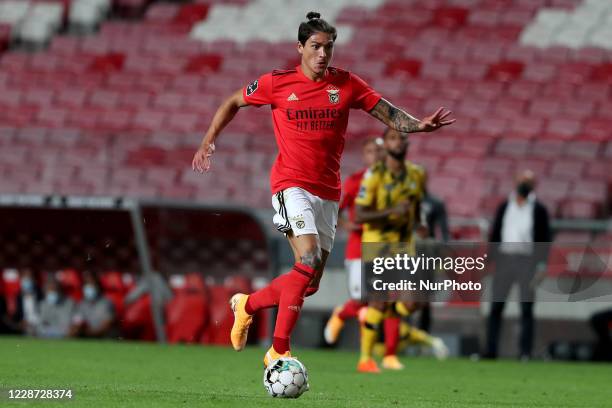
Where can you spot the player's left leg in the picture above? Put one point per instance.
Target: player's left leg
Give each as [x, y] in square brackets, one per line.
[311, 251]
[295, 217]
[304, 273]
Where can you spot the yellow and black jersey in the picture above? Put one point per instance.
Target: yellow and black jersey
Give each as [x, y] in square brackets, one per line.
[381, 190]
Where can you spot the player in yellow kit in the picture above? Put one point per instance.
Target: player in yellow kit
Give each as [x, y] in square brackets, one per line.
[388, 206]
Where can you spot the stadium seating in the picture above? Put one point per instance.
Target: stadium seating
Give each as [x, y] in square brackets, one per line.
[529, 82]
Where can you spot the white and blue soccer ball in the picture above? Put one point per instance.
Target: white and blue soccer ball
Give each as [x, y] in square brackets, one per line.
[286, 378]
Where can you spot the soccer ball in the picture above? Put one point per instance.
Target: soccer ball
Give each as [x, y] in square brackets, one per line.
[286, 378]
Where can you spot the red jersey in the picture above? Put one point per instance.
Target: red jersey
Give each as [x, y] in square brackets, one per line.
[310, 120]
[349, 193]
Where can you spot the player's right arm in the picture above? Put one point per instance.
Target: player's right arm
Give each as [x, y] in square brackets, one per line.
[370, 215]
[365, 208]
[224, 115]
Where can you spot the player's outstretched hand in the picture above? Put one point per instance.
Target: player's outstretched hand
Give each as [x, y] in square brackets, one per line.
[201, 159]
[436, 121]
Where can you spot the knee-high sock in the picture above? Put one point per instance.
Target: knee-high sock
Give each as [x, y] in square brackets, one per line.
[290, 305]
[392, 335]
[311, 290]
[269, 296]
[350, 309]
[418, 336]
[369, 332]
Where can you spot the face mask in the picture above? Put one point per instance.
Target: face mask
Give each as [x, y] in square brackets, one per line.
[52, 298]
[27, 285]
[523, 189]
[90, 292]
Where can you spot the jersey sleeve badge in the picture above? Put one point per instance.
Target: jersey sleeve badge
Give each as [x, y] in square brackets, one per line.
[252, 87]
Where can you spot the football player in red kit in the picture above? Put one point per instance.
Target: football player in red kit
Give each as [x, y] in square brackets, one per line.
[310, 109]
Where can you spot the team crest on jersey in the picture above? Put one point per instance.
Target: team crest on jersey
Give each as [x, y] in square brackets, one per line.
[334, 95]
[252, 87]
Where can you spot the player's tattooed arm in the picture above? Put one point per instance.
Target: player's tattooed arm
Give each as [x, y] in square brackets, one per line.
[402, 121]
[394, 117]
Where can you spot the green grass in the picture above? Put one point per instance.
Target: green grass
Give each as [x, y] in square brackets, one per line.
[122, 374]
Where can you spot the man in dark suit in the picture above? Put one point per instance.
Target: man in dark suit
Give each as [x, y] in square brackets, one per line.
[520, 221]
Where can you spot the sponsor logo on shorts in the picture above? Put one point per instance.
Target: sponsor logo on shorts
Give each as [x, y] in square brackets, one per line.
[252, 87]
[294, 308]
[300, 224]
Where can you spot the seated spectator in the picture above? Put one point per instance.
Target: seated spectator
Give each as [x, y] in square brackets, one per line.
[56, 312]
[95, 314]
[28, 300]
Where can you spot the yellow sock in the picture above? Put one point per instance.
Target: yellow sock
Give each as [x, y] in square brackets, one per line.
[418, 336]
[369, 332]
[401, 309]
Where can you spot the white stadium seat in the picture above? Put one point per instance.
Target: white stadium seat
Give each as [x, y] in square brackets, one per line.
[13, 11]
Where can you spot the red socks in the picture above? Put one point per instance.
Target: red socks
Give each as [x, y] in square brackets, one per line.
[391, 327]
[265, 297]
[287, 292]
[350, 309]
[290, 304]
[311, 290]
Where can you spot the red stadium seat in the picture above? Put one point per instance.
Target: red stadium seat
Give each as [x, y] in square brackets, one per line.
[496, 166]
[567, 170]
[582, 149]
[112, 281]
[538, 166]
[547, 148]
[461, 165]
[450, 17]
[553, 190]
[505, 71]
[564, 128]
[186, 317]
[603, 73]
[238, 284]
[191, 13]
[221, 318]
[408, 66]
[579, 209]
[70, 281]
[204, 63]
[512, 147]
[596, 191]
[599, 170]
[12, 287]
[107, 63]
[130, 8]
[137, 320]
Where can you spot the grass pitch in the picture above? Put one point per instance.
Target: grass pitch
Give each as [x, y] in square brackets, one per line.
[123, 374]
